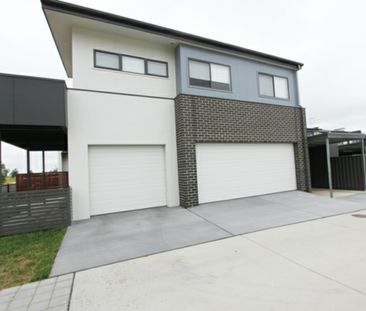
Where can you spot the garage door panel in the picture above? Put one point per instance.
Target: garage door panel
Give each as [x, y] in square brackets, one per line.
[126, 178]
[228, 171]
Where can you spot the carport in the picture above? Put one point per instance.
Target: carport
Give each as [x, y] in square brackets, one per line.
[33, 138]
[33, 117]
[328, 169]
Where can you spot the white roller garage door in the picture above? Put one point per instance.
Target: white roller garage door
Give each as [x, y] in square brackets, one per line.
[126, 178]
[229, 171]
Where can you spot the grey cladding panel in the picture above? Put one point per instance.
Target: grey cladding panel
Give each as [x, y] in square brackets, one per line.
[39, 102]
[6, 100]
[244, 77]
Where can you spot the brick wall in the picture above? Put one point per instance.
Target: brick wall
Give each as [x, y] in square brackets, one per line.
[213, 120]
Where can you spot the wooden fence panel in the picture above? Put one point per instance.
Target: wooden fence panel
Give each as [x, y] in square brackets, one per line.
[39, 181]
[28, 211]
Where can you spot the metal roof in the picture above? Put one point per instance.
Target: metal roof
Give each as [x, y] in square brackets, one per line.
[85, 12]
[318, 136]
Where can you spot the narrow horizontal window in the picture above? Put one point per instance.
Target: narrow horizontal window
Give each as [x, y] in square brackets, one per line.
[209, 75]
[157, 68]
[128, 63]
[133, 64]
[273, 86]
[107, 60]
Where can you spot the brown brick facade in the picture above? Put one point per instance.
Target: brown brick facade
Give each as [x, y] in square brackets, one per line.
[214, 120]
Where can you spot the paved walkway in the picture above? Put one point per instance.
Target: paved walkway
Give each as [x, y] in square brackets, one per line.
[51, 294]
[116, 237]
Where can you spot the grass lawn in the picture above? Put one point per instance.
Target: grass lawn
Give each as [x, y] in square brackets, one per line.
[28, 257]
[9, 180]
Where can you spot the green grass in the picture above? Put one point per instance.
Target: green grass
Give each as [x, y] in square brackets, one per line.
[9, 180]
[28, 257]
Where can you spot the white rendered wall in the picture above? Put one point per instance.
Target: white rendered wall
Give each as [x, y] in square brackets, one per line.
[85, 76]
[112, 119]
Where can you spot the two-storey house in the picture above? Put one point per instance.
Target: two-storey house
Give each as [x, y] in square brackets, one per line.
[158, 117]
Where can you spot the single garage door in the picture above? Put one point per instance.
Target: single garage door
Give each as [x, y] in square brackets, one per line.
[126, 178]
[229, 171]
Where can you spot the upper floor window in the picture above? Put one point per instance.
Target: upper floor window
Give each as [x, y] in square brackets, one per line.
[107, 60]
[273, 86]
[157, 68]
[209, 75]
[133, 64]
[129, 63]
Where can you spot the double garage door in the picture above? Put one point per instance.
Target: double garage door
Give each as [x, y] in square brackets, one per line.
[133, 177]
[229, 171]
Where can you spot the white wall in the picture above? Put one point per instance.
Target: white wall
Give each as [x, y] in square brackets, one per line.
[64, 162]
[110, 119]
[85, 76]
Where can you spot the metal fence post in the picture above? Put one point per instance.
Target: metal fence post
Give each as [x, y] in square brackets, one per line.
[329, 166]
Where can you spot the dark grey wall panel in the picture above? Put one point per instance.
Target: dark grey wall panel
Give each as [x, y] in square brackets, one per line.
[32, 101]
[6, 100]
[39, 102]
[318, 167]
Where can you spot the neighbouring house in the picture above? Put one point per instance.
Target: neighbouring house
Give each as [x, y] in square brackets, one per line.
[337, 159]
[33, 117]
[158, 117]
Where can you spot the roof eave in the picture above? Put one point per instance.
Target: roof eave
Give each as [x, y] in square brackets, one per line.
[124, 21]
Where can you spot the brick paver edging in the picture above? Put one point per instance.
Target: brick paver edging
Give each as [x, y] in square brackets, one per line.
[50, 294]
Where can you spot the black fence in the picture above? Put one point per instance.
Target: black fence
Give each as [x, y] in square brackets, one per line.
[347, 171]
[28, 211]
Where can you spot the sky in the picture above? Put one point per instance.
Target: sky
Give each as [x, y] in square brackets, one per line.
[327, 36]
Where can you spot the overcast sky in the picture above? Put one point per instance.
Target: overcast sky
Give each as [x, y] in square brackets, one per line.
[328, 36]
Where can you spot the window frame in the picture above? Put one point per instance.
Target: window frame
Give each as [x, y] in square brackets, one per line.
[273, 86]
[210, 73]
[156, 61]
[130, 56]
[103, 67]
[120, 56]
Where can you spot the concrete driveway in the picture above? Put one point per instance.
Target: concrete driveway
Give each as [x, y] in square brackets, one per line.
[117, 237]
[316, 265]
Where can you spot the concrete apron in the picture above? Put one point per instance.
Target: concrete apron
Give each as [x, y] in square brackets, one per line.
[117, 237]
[316, 265]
